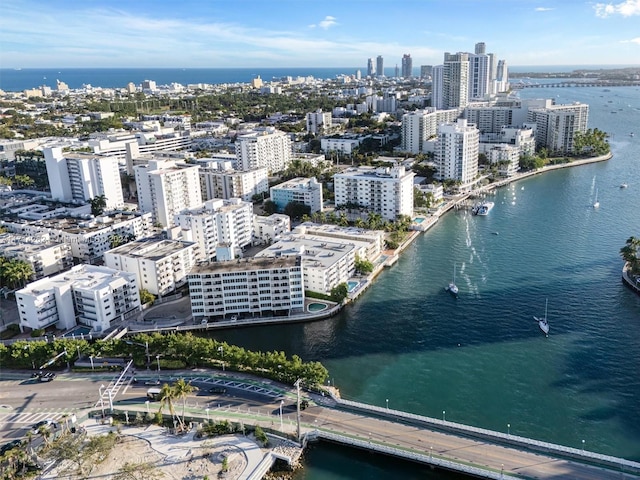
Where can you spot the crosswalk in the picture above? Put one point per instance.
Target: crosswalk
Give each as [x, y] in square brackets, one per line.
[19, 419]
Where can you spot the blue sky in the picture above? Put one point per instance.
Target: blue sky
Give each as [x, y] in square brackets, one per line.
[313, 33]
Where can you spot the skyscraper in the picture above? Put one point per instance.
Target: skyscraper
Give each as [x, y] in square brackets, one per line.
[371, 71]
[455, 80]
[407, 66]
[425, 71]
[380, 66]
[456, 151]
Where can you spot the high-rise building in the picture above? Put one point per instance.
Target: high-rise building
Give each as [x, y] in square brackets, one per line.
[425, 71]
[318, 122]
[407, 66]
[455, 80]
[267, 147]
[307, 191]
[79, 177]
[480, 85]
[383, 190]
[371, 69]
[502, 76]
[421, 125]
[456, 152]
[166, 188]
[481, 48]
[556, 125]
[437, 87]
[380, 66]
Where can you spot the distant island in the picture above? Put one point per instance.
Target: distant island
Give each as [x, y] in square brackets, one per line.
[629, 73]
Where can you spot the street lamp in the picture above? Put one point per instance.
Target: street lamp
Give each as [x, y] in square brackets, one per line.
[221, 350]
[207, 410]
[387, 404]
[91, 358]
[443, 414]
[582, 446]
[281, 425]
[508, 429]
[147, 404]
[101, 400]
[158, 359]
[78, 347]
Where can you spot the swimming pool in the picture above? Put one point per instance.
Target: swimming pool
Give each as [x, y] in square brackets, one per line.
[418, 220]
[78, 331]
[351, 286]
[316, 307]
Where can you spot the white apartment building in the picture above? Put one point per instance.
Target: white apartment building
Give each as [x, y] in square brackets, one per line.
[318, 122]
[387, 191]
[89, 295]
[45, 256]
[88, 237]
[160, 266]
[556, 125]
[451, 82]
[488, 119]
[456, 152]
[268, 148]
[134, 144]
[228, 222]
[77, 177]
[166, 188]
[307, 191]
[247, 287]
[219, 180]
[421, 125]
[523, 138]
[326, 263]
[176, 122]
[344, 146]
[507, 155]
[270, 229]
[369, 243]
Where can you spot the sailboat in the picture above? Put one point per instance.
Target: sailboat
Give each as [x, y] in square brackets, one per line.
[542, 322]
[596, 204]
[453, 289]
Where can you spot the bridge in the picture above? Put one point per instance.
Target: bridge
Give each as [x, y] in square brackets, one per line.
[477, 452]
[595, 83]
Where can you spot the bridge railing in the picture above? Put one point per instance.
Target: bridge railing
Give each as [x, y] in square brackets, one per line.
[494, 436]
[409, 455]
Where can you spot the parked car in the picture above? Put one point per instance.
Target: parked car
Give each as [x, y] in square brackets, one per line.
[10, 446]
[217, 389]
[47, 377]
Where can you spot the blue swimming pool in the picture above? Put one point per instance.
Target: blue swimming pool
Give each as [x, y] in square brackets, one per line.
[351, 286]
[316, 307]
[418, 220]
[78, 331]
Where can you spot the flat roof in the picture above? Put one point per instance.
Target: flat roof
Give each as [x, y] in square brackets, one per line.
[243, 264]
[152, 249]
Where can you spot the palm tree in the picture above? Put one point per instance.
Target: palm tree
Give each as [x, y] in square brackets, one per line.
[630, 254]
[167, 396]
[181, 390]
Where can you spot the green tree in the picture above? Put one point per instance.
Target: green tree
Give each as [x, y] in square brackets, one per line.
[15, 273]
[146, 296]
[630, 254]
[269, 207]
[98, 204]
[363, 266]
[167, 396]
[296, 210]
[182, 390]
[339, 292]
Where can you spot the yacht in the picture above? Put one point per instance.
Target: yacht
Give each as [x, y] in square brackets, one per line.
[542, 322]
[596, 204]
[485, 208]
[623, 185]
[453, 289]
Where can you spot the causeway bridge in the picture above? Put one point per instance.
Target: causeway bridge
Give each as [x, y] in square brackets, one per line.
[477, 452]
[574, 83]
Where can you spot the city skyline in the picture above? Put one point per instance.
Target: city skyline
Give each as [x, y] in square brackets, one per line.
[289, 33]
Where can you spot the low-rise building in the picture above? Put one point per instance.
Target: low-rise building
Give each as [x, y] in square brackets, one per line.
[45, 256]
[160, 266]
[307, 191]
[270, 229]
[247, 287]
[369, 243]
[219, 180]
[96, 297]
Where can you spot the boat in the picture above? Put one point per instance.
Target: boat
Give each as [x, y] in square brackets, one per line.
[453, 289]
[623, 185]
[542, 322]
[485, 208]
[596, 204]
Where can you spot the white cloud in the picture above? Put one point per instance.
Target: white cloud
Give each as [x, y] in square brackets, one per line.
[627, 8]
[544, 9]
[328, 22]
[633, 40]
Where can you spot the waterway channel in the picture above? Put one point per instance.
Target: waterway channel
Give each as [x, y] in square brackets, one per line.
[481, 359]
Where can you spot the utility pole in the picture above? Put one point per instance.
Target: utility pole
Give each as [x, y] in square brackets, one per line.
[297, 385]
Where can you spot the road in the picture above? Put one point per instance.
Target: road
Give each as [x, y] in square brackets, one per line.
[23, 402]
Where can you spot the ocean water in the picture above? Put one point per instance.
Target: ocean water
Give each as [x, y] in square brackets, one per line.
[15, 80]
[482, 358]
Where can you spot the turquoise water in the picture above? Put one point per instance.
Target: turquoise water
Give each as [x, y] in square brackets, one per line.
[316, 307]
[482, 358]
[351, 286]
[418, 220]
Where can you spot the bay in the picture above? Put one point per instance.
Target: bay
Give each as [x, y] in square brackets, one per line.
[481, 358]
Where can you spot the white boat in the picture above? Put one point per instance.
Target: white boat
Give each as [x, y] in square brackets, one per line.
[453, 289]
[542, 322]
[623, 185]
[485, 208]
[596, 204]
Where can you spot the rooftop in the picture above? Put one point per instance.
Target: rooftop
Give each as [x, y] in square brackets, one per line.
[243, 264]
[152, 249]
